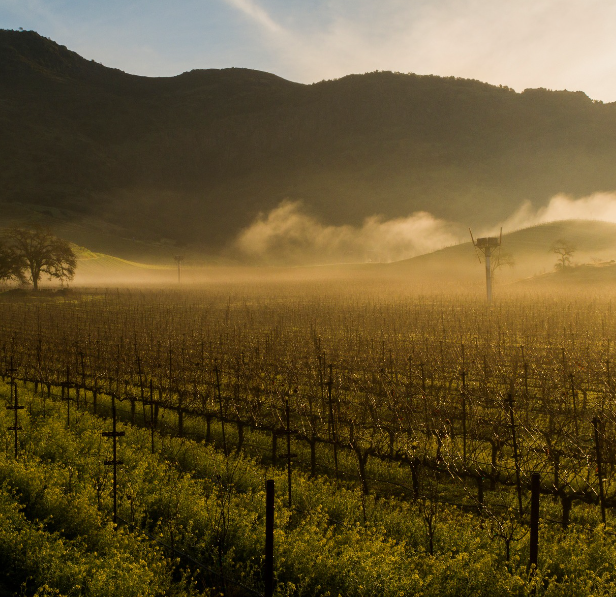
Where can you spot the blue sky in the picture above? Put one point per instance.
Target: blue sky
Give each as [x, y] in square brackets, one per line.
[558, 44]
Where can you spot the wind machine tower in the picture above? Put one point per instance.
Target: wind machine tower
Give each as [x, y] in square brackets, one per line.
[485, 246]
[179, 259]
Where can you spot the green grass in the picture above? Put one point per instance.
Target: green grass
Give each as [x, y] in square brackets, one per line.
[194, 511]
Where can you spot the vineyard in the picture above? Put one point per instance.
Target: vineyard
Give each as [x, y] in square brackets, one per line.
[402, 433]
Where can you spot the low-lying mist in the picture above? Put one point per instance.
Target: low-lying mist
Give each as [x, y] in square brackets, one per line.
[598, 206]
[288, 235]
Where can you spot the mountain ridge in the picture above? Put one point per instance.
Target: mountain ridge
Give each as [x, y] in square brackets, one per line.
[196, 157]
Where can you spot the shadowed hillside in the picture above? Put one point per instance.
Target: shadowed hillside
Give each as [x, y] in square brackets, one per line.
[195, 158]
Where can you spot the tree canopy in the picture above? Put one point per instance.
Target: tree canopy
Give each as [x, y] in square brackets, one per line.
[26, 254]
[11, 264]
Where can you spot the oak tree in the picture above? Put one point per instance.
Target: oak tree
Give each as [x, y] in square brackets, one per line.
[11, 264]
[39, 252]
[564, 249]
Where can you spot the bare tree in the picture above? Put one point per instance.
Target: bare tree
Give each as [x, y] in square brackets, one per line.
[564, 249]
[39, 252]
[501, 259]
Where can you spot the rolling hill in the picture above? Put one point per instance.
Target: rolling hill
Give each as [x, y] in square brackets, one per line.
[455, 267]
[530, 249]
[141, 167]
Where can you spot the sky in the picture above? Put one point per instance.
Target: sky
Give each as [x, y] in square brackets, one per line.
[556, 44]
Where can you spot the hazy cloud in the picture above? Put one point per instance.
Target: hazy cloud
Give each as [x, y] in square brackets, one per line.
[287, 235]
[252, 10]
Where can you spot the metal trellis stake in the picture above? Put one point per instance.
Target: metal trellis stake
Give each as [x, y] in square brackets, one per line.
[289, 456]
[222, 414]
[67, 385]
[152, 427]
[15, 407]
[114, 462]
[463, 418]
[332, 422]
[596, 422]
[269, 538]
[515, 453]
[534, 521]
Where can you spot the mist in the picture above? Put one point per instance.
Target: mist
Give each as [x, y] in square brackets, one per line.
[598, 206]
[287, 235]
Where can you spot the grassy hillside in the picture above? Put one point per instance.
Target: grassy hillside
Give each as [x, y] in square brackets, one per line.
[457, 266]
[530, 249]
[190, 160]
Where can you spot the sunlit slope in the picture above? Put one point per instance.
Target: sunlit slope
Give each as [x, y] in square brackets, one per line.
[584, 277]
[95, 234]
[100, 269]
[530, 249]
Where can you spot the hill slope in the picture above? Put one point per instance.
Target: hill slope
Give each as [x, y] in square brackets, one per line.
[595, 242]
[452, 268]
[194, 158]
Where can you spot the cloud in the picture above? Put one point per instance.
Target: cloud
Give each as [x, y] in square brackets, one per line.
[255, 12]
[287, 235]
[598, 206]
[529, 43]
